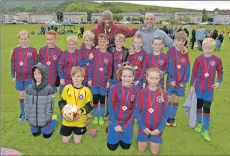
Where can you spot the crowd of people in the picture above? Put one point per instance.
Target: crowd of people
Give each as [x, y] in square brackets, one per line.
[128, 81]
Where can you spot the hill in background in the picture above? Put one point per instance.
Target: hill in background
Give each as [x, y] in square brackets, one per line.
[80, 6]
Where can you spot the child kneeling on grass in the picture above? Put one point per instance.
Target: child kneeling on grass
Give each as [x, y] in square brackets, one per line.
[152, 112]
[78, 95]
[39, 103]
[121, 106]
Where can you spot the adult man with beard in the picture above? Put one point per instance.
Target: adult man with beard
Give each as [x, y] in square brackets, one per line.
[108, 26]
[148, 31]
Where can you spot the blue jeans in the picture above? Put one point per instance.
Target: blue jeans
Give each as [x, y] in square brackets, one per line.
[218, 44]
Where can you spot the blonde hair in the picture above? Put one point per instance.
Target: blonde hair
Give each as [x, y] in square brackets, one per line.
[156, 70]
[208, 42]
[180, 35]
[89, 34]
[138, 36]
[51, 32]
[22, 33]
[72, 38]
[124, 66]
[120, 36]
[78, 69]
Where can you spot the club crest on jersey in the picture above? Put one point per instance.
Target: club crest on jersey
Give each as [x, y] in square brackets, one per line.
[55, 57]
[161, 62]
[106, 61]
[183, 60]
[132, 98]
[140, 58]
[80, 97]
[159, 100]
[212, 63]
[29, 54]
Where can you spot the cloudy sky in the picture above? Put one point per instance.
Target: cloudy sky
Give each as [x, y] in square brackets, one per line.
[208, 5]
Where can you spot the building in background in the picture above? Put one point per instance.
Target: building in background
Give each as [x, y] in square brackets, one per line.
[95, 17]
[42, 17]
[222, 17]
[75, 16]
[194, 16]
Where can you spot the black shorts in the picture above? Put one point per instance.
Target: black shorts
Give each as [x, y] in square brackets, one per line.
[67, 131]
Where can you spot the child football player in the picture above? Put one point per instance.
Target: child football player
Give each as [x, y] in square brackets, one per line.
[23, 59]
[80, 96]
[203, 83]
[99, 78]
[121, 106]
[152, 112]
[178, 74]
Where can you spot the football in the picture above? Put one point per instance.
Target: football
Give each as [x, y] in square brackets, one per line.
[70, 112]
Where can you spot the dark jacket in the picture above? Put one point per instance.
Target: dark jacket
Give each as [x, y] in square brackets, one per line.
[111, 49]
[39, 99]
[193, 37]
[215, 34]
[221, 38]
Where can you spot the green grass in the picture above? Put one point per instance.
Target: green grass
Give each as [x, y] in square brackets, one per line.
[177, 141]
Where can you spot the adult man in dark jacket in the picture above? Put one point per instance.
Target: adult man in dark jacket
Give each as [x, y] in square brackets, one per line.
[215, 34]
[193, 38]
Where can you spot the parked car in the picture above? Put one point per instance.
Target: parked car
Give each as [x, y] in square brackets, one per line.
[76, 22]
[165, 23]
[17, 22]
[136, 22]
[125, 22]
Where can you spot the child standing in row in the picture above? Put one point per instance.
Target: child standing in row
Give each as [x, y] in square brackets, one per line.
[99, 78]
[152, 112]
[178, 74]
[121, 105]
[137, 60]
[49, 56]
[23, 58]
[39, 103]
[157, 59]
[203, 83]
[86, 51]
[69, 59]
[80, 96]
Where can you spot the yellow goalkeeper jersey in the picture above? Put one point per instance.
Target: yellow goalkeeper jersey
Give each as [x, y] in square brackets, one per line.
[80, 97]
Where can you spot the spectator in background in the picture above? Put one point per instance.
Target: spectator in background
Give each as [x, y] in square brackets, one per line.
[215, 34]
[171, 33]
[201, 33]
[42, 30]
[193, 37]
[219, 41]
[165, 29]
[82, 29]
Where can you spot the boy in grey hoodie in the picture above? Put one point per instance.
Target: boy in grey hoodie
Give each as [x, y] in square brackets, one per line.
[39, 103]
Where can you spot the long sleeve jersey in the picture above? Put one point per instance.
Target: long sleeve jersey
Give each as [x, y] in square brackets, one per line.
[100, 70]
[85, 58]
[22, 61]
[178, 67]
[49, 57]
[121, 105]
[152, 112]
[156, 61]
[204, 72]
[66, 62]
[137, 61]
